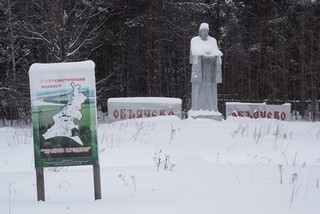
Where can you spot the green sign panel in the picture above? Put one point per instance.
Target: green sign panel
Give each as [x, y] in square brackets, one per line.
[64, 115]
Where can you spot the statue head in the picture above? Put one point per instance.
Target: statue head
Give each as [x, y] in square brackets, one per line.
[204, 31]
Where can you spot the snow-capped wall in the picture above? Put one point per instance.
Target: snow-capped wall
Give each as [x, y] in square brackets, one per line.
[259, 110]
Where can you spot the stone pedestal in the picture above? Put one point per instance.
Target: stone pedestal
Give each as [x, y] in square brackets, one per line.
[213, 115]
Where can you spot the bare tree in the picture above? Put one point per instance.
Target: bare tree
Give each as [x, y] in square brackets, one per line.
[66, 28]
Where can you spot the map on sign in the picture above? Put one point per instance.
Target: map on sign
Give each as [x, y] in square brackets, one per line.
[64, 119]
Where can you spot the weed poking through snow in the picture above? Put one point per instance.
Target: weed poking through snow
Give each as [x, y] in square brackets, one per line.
[172, 134]
[163, 162]
[242, 129]
[127, 183]
[294, 188]
[11, 190]
[280, 172]
[113, 137]
[63, 184]
[122, 178]
[234, 172]
[144, 132]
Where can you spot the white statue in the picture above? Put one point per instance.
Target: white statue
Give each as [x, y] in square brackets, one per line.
[205, 58]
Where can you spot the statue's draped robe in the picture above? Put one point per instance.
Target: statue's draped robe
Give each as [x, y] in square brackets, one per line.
[205, 58]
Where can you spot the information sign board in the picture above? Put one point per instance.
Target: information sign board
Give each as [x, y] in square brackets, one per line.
[63, 102]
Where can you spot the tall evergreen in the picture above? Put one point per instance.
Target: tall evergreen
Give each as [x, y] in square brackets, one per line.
[141, 48]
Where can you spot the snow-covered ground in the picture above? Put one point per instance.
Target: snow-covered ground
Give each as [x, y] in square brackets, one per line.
[172, 166]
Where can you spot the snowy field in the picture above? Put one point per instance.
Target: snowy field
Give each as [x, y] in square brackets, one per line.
[172, 166]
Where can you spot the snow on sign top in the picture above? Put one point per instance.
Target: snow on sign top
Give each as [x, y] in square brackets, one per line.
[66, 66]
[56, 76]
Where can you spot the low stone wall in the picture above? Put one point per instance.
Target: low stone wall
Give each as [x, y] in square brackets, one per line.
[142, 107]
[259, 110]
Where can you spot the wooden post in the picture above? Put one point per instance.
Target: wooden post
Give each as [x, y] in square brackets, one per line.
[40, 184]
[97, 183]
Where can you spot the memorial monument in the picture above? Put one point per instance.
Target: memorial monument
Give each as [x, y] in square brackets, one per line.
[205, 58]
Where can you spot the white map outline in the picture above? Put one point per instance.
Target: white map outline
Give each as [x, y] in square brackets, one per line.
[64, 119]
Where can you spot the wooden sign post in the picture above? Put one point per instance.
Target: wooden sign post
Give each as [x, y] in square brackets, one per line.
[40, 184]
[97, 183]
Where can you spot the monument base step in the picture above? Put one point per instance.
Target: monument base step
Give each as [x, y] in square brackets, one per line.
[213, 115]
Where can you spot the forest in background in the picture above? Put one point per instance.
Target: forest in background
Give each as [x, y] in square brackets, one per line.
[141, 48]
